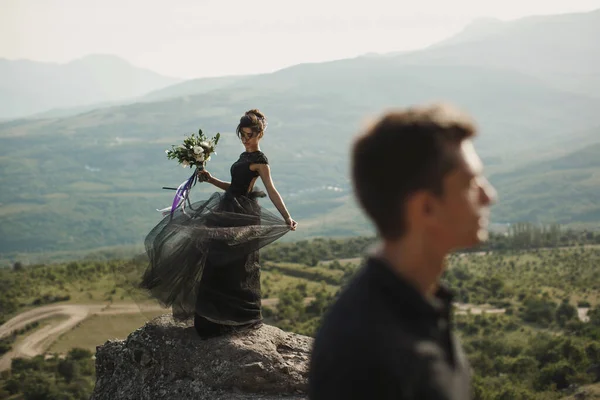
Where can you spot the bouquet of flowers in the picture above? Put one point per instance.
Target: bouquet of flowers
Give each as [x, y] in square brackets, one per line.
[196, 150]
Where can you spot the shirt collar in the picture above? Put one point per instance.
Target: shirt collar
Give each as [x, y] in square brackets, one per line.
[399, 290]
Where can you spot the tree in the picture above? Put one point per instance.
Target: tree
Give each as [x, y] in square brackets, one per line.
[322, 300]
[524, 366]
[592, 352]
[511, 392]
[565, 312]
[68, 369]
[78, 353]
[539, 311]
[290, 305]
[594, 316]
[335, 264]
[495, 285]
[37, 386]
[558, 375]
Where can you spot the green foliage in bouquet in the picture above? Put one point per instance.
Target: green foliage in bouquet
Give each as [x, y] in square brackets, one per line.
[196, 150]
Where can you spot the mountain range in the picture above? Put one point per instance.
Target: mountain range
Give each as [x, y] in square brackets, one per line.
[29, 87]
[561, 49]
[93, 179]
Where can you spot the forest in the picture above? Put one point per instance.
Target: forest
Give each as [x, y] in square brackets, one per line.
[539, 340]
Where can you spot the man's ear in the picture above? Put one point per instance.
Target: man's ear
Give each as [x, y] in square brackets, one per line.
[421, 208]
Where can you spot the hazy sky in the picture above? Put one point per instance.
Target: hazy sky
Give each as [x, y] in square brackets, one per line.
[194, 38]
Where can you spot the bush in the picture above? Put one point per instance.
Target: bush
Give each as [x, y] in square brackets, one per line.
[539, 311]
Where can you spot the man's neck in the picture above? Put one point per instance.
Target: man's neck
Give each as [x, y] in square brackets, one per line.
[412, 260]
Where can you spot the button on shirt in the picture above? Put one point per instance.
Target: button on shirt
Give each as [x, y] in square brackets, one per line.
[382, 339]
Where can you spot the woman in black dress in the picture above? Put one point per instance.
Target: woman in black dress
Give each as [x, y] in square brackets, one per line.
[204, 262]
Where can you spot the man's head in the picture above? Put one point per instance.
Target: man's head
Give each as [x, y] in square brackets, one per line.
[415, 171]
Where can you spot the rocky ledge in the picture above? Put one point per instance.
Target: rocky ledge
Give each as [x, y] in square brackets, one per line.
[165, 359]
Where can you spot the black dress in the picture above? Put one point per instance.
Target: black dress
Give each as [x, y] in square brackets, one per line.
[204, 260]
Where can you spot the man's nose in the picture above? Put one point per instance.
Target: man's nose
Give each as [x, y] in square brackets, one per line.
[489, 195]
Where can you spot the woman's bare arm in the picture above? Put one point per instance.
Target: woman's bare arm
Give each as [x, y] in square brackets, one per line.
[265, 174]
[220, 184]
[207, 177]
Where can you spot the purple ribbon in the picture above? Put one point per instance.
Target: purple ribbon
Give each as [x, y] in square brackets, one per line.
[182, 193]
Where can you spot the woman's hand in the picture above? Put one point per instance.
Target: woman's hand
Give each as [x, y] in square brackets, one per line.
[293, 224]
[204, 176]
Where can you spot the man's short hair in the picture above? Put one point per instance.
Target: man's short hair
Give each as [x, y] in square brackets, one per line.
[403, 152]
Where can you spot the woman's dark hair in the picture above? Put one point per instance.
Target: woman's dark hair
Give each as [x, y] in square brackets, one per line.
[254, 120]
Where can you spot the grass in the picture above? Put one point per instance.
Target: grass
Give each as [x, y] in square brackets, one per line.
[592, 393]
[97, 292]
[104, 252]
[305, 273]
[354, 260]
[101, 291]
[45, 322]
[97, 329]
[278, 277]
[593, 297]
[560, 273]
[275, 282]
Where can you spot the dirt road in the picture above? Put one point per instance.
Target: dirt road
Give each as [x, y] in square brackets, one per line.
[582, 312]
[38, 341]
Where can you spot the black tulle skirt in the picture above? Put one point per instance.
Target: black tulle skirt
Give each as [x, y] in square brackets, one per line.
[204, 260]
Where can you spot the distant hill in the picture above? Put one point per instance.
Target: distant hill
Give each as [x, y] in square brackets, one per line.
[186, 88]
[94, 179]
[72, 111]
[564, 189]
[28, 87]
[477, 30]
[561, 49]
[192, 87]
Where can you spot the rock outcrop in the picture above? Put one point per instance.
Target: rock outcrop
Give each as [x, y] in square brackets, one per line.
[166, 359]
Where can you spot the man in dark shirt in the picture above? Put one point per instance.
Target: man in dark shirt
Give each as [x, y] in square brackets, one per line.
[389, 335]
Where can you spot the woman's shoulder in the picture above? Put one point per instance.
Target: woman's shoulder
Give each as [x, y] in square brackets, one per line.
[258, 157]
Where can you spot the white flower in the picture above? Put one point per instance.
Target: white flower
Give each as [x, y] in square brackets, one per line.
[198, 150]
[200, 157]
[166, 151]
[185, 164]
[204, 144]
